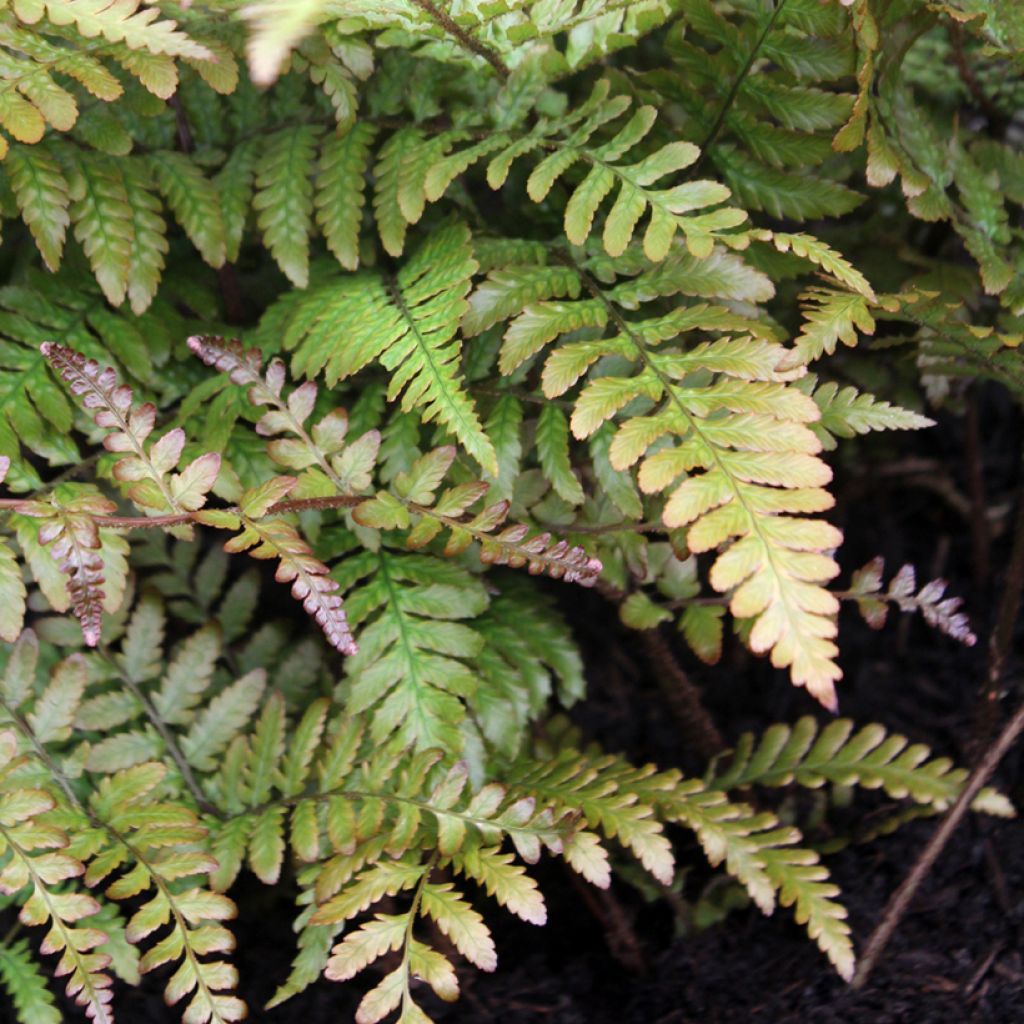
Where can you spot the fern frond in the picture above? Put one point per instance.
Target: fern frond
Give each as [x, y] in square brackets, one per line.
[157, 838]
[284, 198]
[941, 613]
[122, 21]
[802, 883]
[25, 985]
[410, 326]
[278, 539]
[615, 165]
[845, 412]
[345, 469]
[415, 498]
[70, 532]
[193, 199]
[149, 471]
[149, 242]
[744, 464]
[838, 755]
[413, 645]
[340, 187]
[43, 198]
[35, 859]
[102, 216]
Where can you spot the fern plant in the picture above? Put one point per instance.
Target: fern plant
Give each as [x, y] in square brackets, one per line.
[413, 302]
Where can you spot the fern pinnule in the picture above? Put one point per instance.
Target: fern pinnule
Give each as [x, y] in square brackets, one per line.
[846, 412]
[347, 468]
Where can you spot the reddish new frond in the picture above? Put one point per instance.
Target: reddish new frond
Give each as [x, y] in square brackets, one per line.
[560, 560]
[72, 532]
[109, 401]
[229, 356]
[311, 583]
[150, 472]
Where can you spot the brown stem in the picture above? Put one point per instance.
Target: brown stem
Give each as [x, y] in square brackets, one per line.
[620, 935]
[231, 293]
[901, 898]
[179, 519]
[967, 76]
[462, 37]
[185, 141]
[682, 697]
[655, 527]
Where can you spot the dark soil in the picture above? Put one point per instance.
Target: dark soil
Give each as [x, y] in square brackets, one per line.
[957, 957]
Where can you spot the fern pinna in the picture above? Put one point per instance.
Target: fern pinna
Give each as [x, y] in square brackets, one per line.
[581, 289]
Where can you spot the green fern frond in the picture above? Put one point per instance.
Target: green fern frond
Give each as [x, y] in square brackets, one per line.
[614, 165]
[409, 325]
[845, 412]
[340, 186]
[284, 199]
[838, 755]
[413, 645]
[25, 985]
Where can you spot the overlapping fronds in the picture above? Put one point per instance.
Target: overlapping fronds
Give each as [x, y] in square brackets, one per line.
[630, 804]
[127, 840]
[743, 464]
[147, 469]
[764, 90]
[35, 412]
[614, 166]
[415, 498]
[547, 310]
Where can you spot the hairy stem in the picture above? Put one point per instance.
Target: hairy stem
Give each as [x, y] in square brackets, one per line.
[462, 37]
[734, 89]
[179, 519]
[683, 698]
